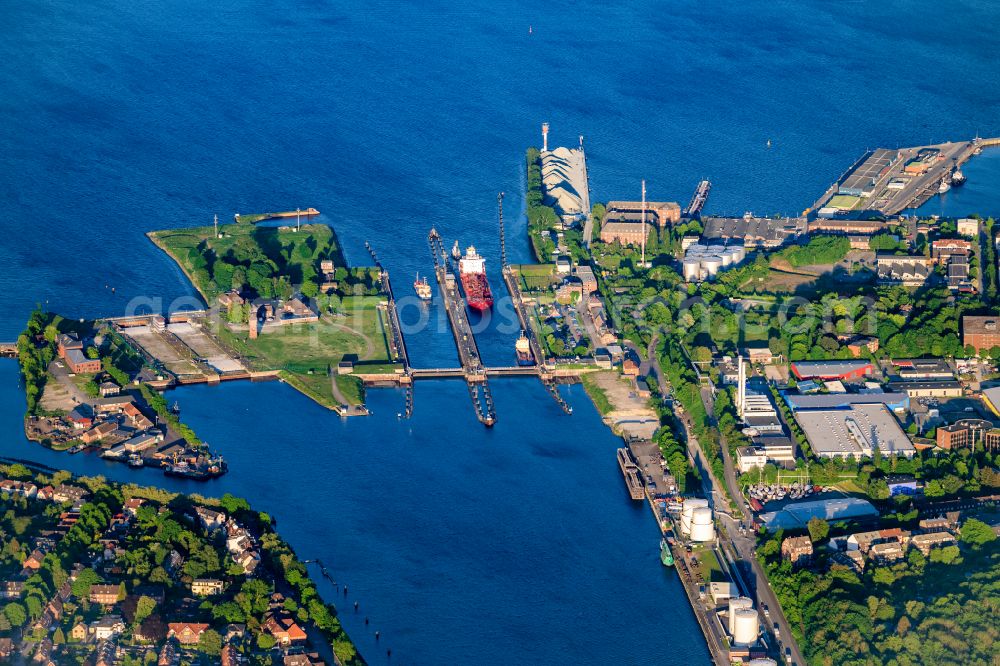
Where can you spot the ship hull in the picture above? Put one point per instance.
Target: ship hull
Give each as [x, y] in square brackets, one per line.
[477, 291]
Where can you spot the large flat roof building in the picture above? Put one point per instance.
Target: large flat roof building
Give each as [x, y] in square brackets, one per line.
[626, 233]
[894, 401]
[861, 180]
[854, 432]
[754, 231]
[832, 369]
[796, 515]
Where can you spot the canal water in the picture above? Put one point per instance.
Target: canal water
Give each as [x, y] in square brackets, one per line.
[463, 545]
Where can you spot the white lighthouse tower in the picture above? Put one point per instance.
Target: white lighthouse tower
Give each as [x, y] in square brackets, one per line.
[545, 137]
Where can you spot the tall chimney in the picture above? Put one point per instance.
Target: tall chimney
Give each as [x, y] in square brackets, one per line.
[545, 137]
[741, 389]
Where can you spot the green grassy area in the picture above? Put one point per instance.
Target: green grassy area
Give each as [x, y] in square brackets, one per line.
[596, 393]
[535, 277]
[260, 252]
[708, 565]
[306, 353]
[843, 201]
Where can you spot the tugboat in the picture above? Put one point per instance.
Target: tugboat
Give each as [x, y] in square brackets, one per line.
[957, 178]
[456, 253]
[472, 271]
[423, 288]
[135, 460]
[523, 349]
[944, 187]
[666, 556]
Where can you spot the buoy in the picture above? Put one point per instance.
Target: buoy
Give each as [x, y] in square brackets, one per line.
[366, 620]
[377, 634]
[355, 605]
[345, 590]
[388, 652]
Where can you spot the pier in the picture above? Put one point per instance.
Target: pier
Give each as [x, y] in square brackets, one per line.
[510, 279]
[468, 352]
[693, 210]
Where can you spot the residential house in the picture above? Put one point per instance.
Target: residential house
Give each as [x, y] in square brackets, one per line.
[109, 389]
[797, 550]
[107, 627]
[284, 629]
[187, 633]
[863, 541]
[79, 632]
[43, 655]
[303, 659]
[81, 417]
[926, 542]
[210, 520]
[34, 561]
[887, 552]
[64, 493]
[852, 559]
[6, 648]
[105, 595]
[206, 586]
[67, 341]
[169, 654]
[11, 589]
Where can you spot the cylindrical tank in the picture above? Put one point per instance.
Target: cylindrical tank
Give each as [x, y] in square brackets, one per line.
[762, 661]
[692, 269]
[689, 506]
[745, 627]
[737, 604]
[702, 528]
[711, 265]
[740, 253]
[727, 258]
[697, 248]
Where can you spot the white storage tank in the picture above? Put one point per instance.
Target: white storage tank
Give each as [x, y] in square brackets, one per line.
[737, 604]
[762, 661]
[689, 506]
[697, 248]
[745, 627]
[740, 253]
[702, 528]
[712, 265]
[692, 269]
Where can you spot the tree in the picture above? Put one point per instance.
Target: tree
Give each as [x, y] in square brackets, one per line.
[976, 533]
[344, 650]
[210, 642]
[144, 608]
[58, 637]
[818, 529]
[81, 586]
[15, 614]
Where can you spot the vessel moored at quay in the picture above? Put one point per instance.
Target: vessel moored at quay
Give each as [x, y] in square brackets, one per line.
[472, 272]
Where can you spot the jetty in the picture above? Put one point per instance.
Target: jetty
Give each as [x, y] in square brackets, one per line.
[465, 341]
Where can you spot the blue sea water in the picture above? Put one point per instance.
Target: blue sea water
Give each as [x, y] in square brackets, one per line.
[464, 545]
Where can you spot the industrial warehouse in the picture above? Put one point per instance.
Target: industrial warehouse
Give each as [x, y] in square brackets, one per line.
[854, 432]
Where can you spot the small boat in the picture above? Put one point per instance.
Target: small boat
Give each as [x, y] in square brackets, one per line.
[666, 556]
[135, 460]
[768, 143]
[523, 349]
[957, 178]
[456, 252]
[176, 408]
[944, 187]
[423, 288]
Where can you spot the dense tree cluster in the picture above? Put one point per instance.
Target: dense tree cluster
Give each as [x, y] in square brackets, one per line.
[922, 611]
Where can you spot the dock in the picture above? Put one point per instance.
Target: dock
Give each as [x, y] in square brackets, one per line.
[8, 350]
[888, 182]
[510, 280]
[631, 473]
[465, 341]
[694, 208]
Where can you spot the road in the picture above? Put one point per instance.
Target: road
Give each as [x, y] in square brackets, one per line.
[736, 540]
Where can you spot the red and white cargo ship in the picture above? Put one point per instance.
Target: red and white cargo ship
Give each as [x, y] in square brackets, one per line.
[472, 271]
